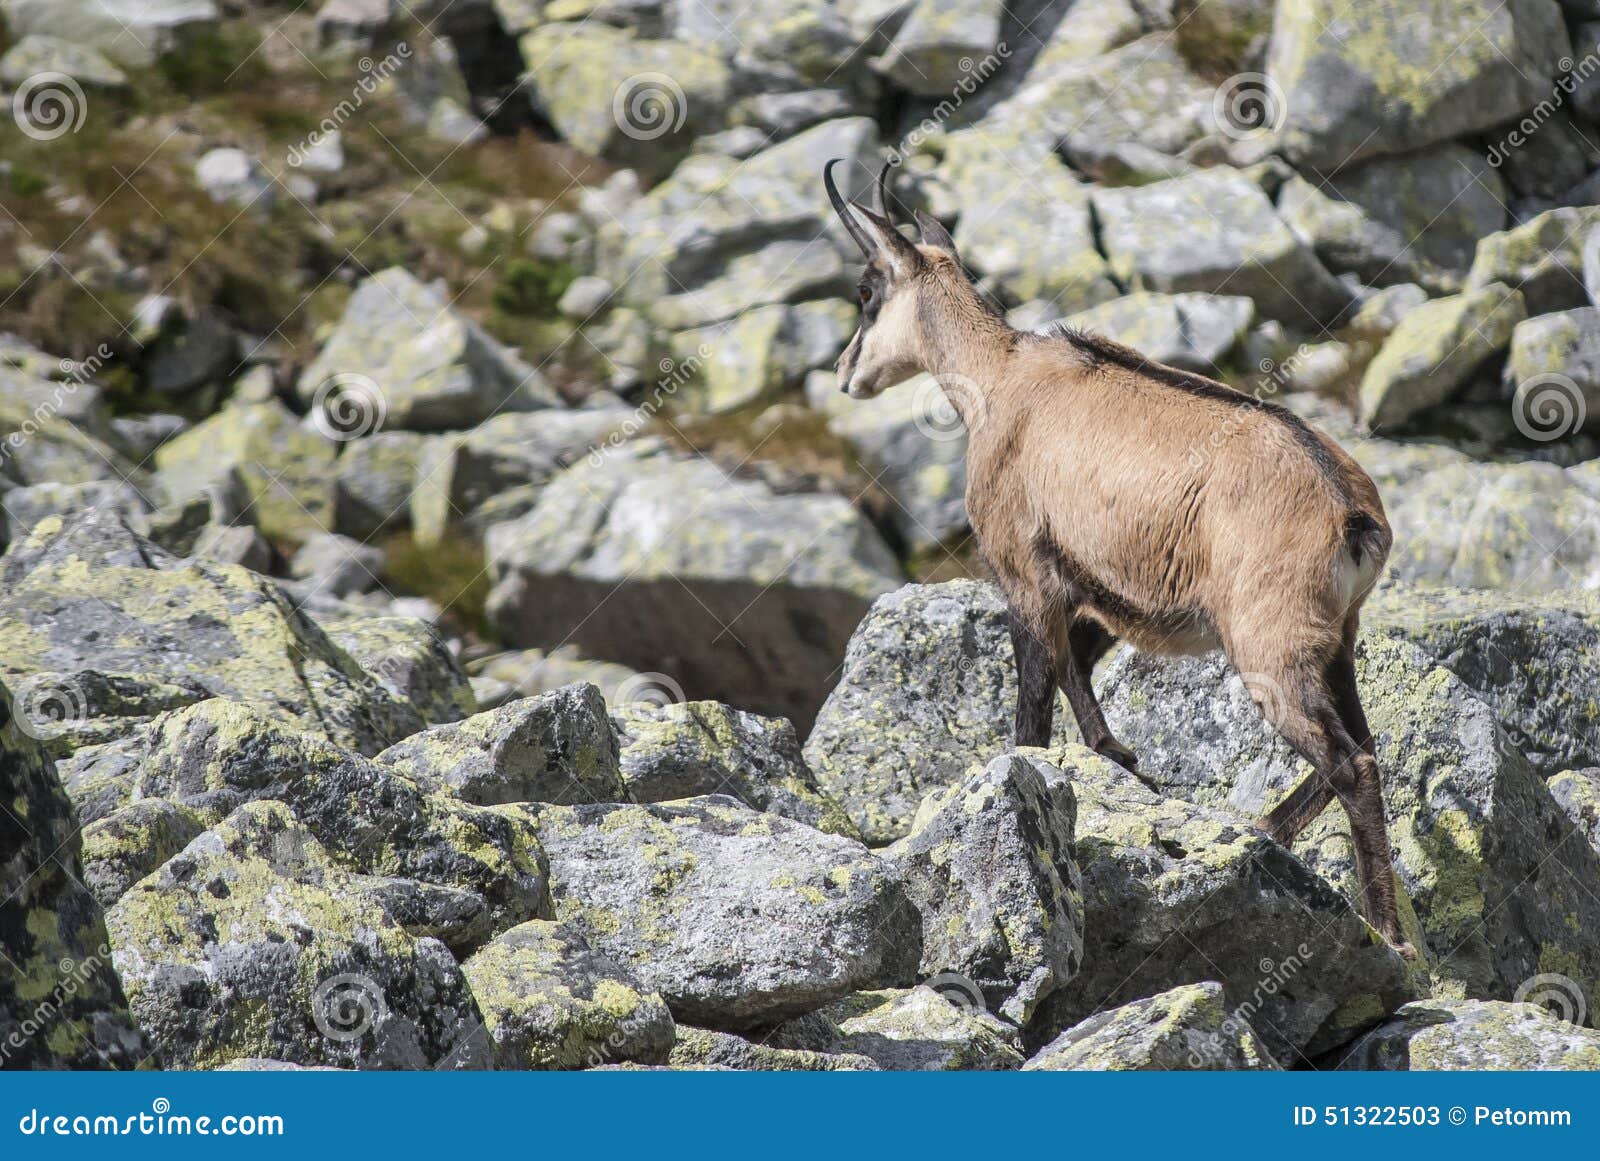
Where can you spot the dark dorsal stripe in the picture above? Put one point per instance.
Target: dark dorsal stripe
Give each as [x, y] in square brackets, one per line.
[1098, 349]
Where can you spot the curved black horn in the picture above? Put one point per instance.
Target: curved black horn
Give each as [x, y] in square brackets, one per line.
[846, 214]
[880, 193]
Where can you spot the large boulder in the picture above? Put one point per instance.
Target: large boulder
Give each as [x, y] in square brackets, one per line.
[61, 1004]
[100, 631]
[1554, 363]
[683, 750]
[403, 357]
[737, 918]
[407, 657]
[913, 442]
[1526, 527]
[1187, 1029]
[1193, 331]
[1543, 258]
[1535, 660]
[935, 51]
[1054, 255]
[922, 1029]
[1434, 351]
[720, 237]
[134, 32]
[551, 1001]
[626, 98]
[251, 942]
[703, 1047]
[1368, 79]
[640, 556]
[989, 864]
[557, 747]
[1216, 231]
[928, 687]
[1176, 893]
[285, 466]
[1499, 879]
[218, 755]
[1444, 1035]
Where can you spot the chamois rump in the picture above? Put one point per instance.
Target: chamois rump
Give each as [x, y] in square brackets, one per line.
[1116, 497]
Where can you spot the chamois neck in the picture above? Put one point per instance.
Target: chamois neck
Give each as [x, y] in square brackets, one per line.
[960, 334]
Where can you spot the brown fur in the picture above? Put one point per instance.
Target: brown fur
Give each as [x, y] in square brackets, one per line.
[1117, 497]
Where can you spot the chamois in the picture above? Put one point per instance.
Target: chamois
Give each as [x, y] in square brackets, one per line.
[1116, 497]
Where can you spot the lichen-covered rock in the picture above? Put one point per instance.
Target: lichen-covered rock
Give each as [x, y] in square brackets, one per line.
[402, 357]
[101, 631]
[374, 481]
[703, 1047]
[134, 32]
[530, 672]
[928, 688]
[989, 864]
[129, 843]
[936, 49]
[1578, 793]
[552, 1002]
[286, 467]
[1440, 201]
[1349, 239]
[1176, 893]
[1215, 231]
[217, 755]
[35, 54]
[1557, 356]
[337, 566]
[1142, 91]
[921, 1029]
[774, 582]
[629, 99]
[1055, 258]
[409, 659]
[760, 353]
[720, 237]
[557, 747]
[737, 918]
[1525, 527]
[703, 747]
[1192, 331]
[1187, 1029]
[1535, 660]
[22, 508]
[250, 942]
[1435, 349]
[1500, 881]
[462, 481]
[61, 1004]
[915, 446]
[1543, 258]
[1390, 78]
[1443, 1035]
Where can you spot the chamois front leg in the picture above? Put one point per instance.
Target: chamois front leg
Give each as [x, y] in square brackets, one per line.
[1076, 651]
[1036, 686]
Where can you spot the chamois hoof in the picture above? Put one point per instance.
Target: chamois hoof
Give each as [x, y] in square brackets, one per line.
[1118, 753]
[1406, 949]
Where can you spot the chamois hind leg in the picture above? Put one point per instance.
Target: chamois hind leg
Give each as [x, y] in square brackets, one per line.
[1303, 702]
[1074, 669]
[1036, 685]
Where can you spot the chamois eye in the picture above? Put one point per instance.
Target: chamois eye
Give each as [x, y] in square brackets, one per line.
[865, 294]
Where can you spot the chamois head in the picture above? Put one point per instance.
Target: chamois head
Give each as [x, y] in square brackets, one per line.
[890, 345]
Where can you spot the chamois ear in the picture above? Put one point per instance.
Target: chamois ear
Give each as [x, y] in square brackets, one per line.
[933, 233]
